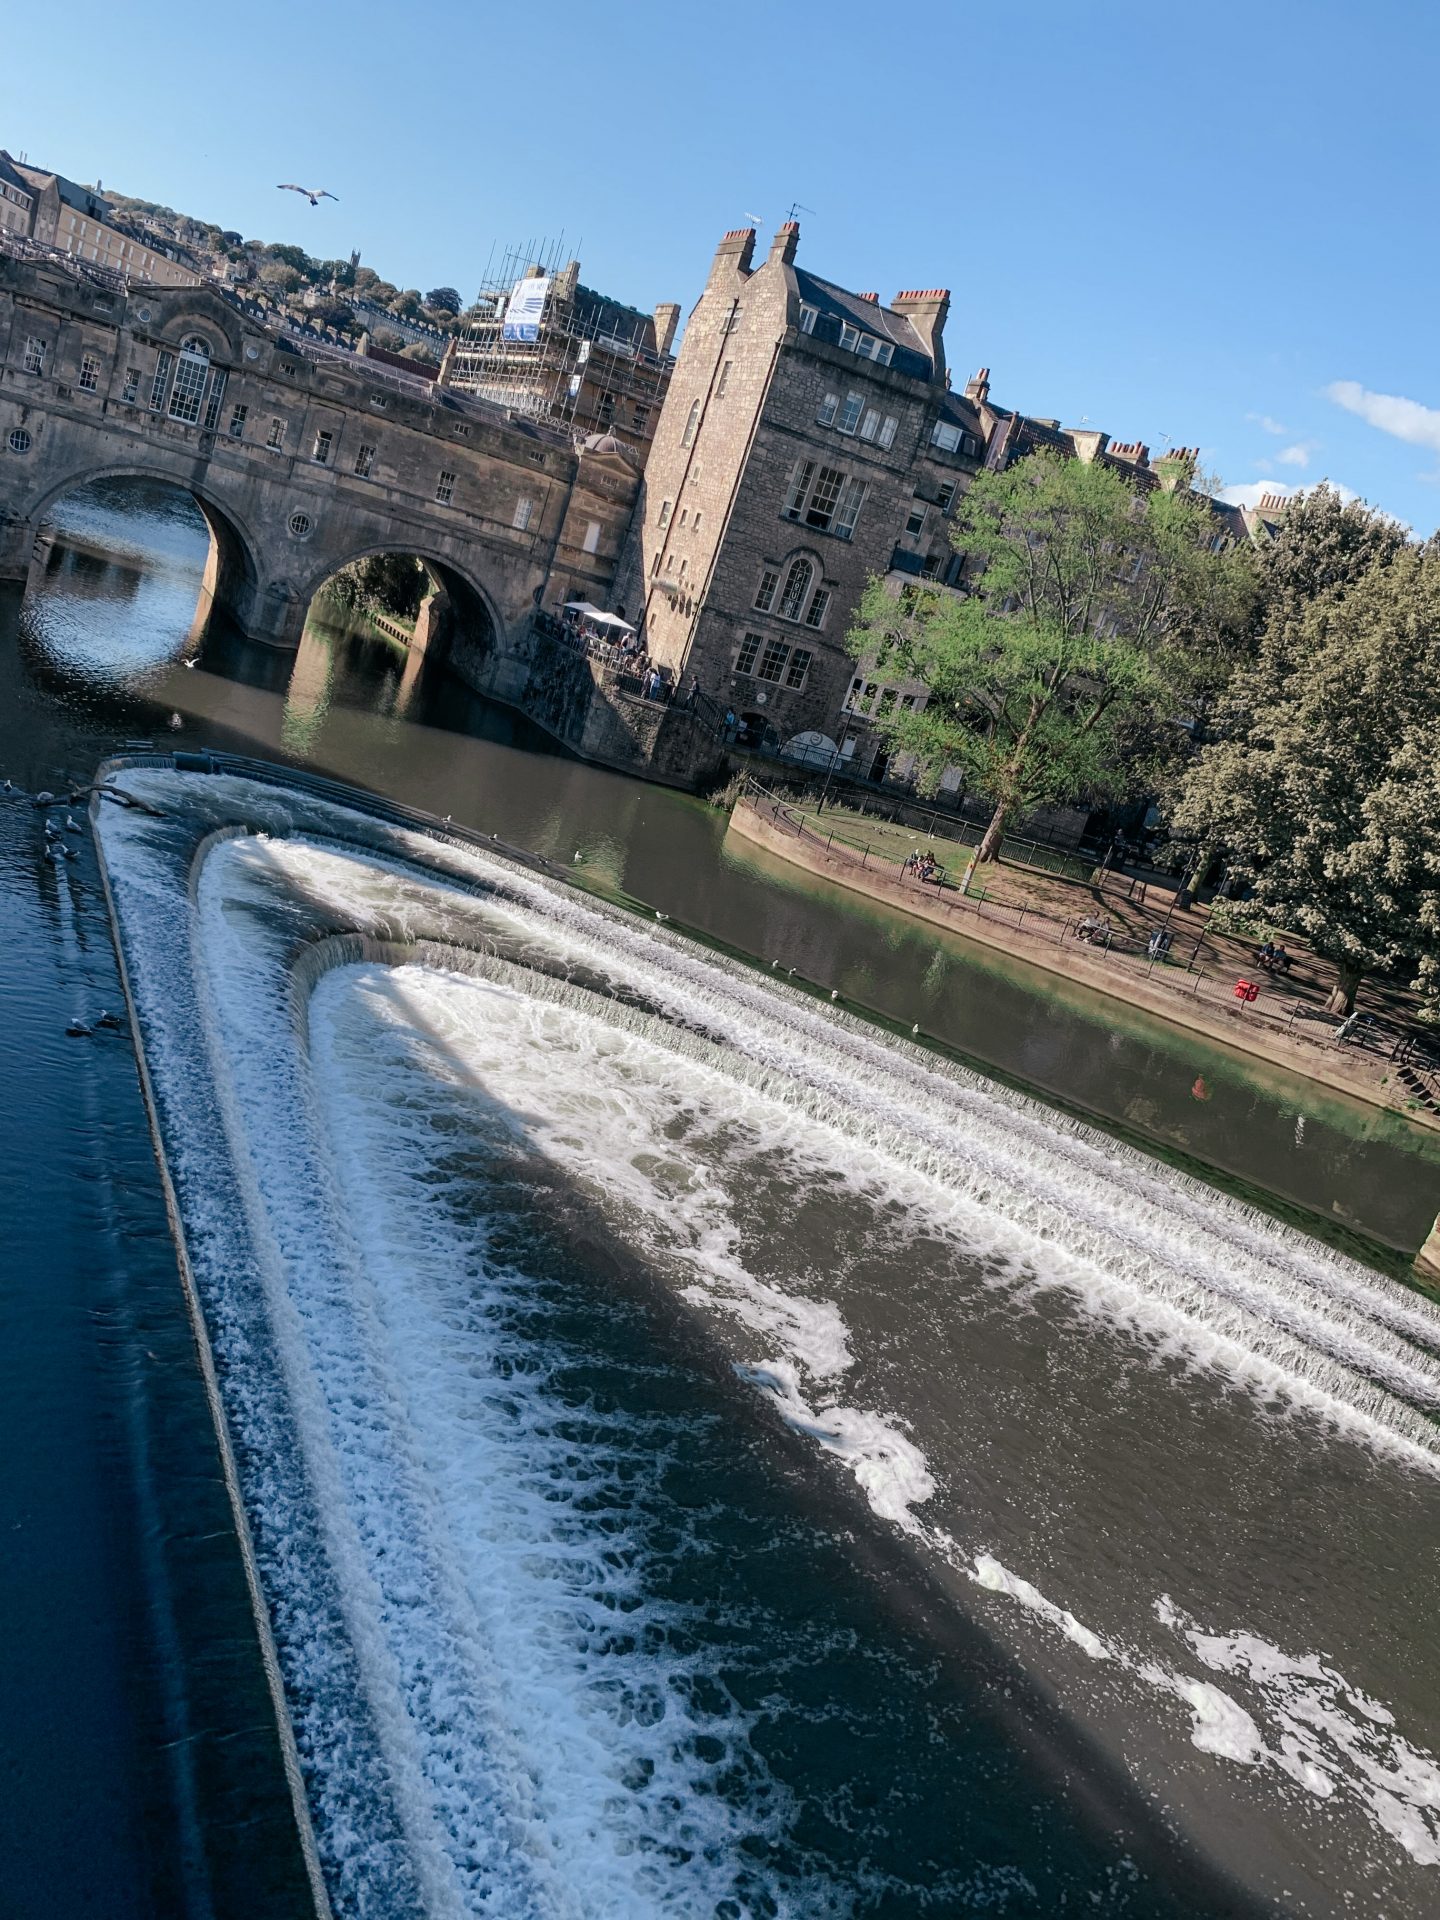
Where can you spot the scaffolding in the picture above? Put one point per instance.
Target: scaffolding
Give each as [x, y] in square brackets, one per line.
[540, 343]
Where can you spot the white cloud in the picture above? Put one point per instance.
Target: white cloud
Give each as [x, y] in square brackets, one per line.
[1298, 455]
[1264, 421]
[1390, 412]
[1252, 492]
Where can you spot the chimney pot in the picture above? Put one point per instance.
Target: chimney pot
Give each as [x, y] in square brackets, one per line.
[786, 243]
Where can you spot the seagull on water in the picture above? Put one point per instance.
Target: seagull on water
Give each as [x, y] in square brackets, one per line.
[110, 1020]
[77, 1030]
[313, 194]
[72, 825]
[661, 916]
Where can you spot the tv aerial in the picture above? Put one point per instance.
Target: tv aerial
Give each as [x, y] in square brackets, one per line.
[796, 207]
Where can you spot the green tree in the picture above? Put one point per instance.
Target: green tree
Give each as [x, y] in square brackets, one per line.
[447, 298]
[282, 278]
[391, 583]
[1323, 787]
[1324, 545]
[338, 273]
[422, 352]
[1102, 616]
[288, 256]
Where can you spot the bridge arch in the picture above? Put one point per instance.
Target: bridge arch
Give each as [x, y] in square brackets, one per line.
[463, 615]
[232, 575]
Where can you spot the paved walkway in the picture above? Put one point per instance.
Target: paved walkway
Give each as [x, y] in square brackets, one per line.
[1034, 916]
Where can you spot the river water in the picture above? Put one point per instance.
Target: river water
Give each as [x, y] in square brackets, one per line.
[705, 1457]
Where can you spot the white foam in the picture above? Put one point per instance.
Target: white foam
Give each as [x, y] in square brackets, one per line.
[889, 1468]
[459, 1565]
[989, 1573]
[1327, 1734]
[1304, 1718]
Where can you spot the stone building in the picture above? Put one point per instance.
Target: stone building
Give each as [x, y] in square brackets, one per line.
[809, 440]
[56, 212]
[577, 357]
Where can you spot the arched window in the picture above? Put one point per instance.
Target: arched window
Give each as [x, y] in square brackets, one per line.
[192, 369]
[797, 589]
[692, 420]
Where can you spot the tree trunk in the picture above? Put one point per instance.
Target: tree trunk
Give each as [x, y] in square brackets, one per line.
[989, 847]
[1342, 994]
[1200, 871]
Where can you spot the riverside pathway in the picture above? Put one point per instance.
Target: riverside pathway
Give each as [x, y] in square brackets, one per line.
[1193, 987]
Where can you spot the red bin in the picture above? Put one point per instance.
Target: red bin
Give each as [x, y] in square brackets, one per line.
[1246, 990]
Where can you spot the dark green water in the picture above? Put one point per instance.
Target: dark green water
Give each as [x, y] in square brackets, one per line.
[140, 1716]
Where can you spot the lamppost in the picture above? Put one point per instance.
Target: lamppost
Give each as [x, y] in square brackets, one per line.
[835, 760]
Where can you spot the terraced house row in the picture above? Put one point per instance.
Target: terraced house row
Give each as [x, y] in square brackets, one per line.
[810, 439]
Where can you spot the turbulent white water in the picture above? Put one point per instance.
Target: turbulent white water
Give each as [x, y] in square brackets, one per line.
[543, 1731]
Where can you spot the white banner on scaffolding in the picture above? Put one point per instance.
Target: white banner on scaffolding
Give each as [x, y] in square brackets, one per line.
[527, 304]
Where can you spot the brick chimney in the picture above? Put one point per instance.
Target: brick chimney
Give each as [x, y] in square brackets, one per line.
[977, 390]
[872, 298]
[927, 310]
[1134, 452]
[786, 244]
[667, 318]
[1178, 467]
[734, 253]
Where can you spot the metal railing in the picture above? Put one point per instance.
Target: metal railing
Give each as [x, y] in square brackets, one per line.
[1208, 975]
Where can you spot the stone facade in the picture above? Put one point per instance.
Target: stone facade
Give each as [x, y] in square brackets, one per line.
[56, 212]
[300, 461]
[796, 456]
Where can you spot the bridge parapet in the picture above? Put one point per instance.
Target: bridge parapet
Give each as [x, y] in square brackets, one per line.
[301, 459]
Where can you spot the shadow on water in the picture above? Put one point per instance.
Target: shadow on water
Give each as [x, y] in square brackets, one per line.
[111, 1476]
[921, 1755]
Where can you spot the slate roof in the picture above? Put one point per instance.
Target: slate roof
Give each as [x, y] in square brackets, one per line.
[84, 199]
[835, 306]
[12, 176]
[954, 406]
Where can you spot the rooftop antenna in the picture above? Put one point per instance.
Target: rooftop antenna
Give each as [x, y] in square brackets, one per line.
[756, 219]
[795, 207]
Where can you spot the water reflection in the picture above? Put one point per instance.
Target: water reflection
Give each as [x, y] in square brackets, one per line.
[121, 567]
[357, 706]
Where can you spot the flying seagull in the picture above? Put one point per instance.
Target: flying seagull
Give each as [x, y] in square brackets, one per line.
[313, 194]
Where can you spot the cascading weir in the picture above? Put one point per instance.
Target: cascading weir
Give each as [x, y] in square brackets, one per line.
[578, 1301]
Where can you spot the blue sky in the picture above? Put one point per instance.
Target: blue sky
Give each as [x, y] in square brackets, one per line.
[1215, 225]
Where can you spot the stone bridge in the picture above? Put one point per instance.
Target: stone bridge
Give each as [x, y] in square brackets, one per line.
[300, 458]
